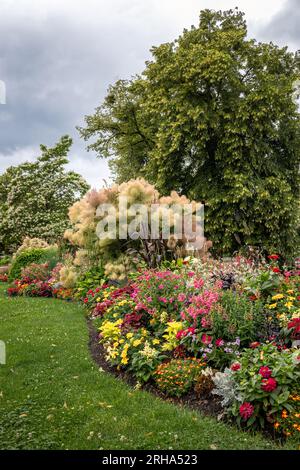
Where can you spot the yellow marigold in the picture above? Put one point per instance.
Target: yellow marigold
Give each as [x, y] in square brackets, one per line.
[289, 304]
[129, 335]
[277, 297]
[137, 342]
[271, 306]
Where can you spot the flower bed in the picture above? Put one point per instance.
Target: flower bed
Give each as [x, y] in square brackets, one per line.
[187, 331]
[212, 330]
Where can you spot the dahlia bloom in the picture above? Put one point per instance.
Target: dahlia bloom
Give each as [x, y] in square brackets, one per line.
[269, 385]
[265, 372]
[246, 410]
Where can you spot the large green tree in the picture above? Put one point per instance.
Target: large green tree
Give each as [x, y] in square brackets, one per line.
[35, 197]
[212, 116]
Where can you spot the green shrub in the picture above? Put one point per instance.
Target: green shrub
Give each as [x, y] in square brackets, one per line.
[237, 317]
[89, 280]
[5, 260]
[32, 255]
[50, 256]
[34, 271]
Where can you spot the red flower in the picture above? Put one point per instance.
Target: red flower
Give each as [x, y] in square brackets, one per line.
[206, 339]
[85, 300]
[252, 297]
[254, 345]
[246, 410]
[294, 325]
[219, 342]
[275, 257]
[265, 372]
[235, 366]
[268, 385]
[276, 270]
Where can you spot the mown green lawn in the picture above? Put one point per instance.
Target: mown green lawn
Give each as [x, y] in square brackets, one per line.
[53, 396]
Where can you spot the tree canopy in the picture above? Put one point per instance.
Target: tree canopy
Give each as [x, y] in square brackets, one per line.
[35, 197]
[212, 116]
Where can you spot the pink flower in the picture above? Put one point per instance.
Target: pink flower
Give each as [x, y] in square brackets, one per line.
[198, 283]
[181, 297]
[160, 286]
[265, 372]
[163, 299]
[191, 274]
[206, 339]
[149, 299]
[246, 410]
[268, 385]
[205, 323]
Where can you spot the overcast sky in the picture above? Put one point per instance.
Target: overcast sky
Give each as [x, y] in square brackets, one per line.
[57, 58]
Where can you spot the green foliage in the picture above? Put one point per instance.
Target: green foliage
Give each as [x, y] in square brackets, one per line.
[237, 317]
[32, 255]
[35, 197]
[22, 260]
[213, 116]
[284, 369]
[89, 280]
[50, 256]
[263, 284]
[5, 260]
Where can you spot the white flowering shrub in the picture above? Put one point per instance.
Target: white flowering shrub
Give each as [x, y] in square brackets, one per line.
[35, 197]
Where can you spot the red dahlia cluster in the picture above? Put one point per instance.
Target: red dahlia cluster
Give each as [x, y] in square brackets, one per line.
[246, 410]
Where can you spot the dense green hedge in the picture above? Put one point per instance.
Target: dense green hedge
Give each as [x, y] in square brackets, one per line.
[32, 255]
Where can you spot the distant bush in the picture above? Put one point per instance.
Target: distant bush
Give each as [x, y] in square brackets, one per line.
[32, 255]
[35, 272]
[5, 260]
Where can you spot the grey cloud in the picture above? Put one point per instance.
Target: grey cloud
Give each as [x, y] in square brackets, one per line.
[283, 28]
[58, 64]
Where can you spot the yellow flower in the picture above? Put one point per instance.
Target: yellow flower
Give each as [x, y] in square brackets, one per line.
[290, 291]
[288, 304]
[291, 298]
[156, 341]
[272, 306]
[98, 299]
[277, 297]
[129, 335]
[121, 341]
[136, 342]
